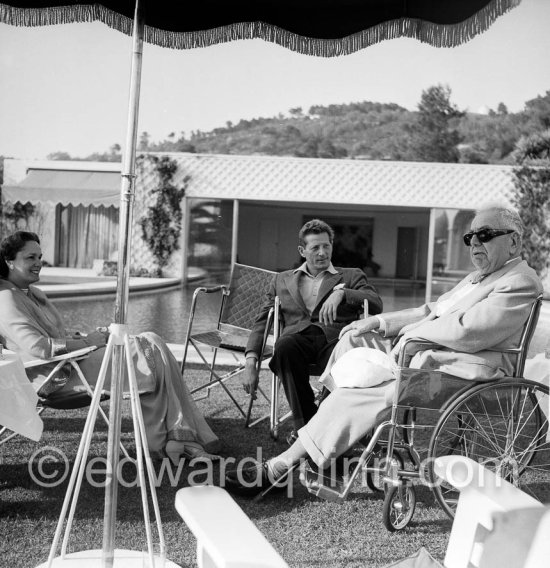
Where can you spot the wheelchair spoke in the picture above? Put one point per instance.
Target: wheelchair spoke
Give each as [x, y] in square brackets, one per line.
[503, 426]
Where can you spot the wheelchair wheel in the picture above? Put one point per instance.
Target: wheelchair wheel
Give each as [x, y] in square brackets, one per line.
[374, 480]
[502, 425]
[399, 505]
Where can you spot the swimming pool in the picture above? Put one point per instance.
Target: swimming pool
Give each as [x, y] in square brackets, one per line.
[67, 279]
[166, 312]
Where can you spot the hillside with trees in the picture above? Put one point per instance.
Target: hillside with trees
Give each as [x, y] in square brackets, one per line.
[436, 131]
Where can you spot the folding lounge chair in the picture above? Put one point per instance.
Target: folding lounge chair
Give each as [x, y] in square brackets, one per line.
[496, 523]
[226, 536]
[69, 401]
[239, 308]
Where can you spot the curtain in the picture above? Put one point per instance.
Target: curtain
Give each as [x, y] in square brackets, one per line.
[84, 233]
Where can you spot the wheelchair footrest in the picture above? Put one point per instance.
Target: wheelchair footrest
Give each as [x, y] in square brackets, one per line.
[330, 488]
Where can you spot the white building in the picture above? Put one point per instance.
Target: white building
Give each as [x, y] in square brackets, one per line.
[398, 220]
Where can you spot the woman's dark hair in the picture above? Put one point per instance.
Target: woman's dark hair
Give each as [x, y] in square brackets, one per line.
[11, 245]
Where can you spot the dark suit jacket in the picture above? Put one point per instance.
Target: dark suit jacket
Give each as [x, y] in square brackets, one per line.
[295, 316]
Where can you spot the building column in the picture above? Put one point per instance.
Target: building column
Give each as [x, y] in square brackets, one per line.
[451, 216]
[235, 232]
[185, 241]
[430, 261]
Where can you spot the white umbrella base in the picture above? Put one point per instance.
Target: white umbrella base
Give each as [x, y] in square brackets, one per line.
[92, 559]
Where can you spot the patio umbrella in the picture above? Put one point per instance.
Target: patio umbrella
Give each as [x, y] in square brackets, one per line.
[324, 28]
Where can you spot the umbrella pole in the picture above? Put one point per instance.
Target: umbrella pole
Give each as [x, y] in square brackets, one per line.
[118, 352]
[127, 196]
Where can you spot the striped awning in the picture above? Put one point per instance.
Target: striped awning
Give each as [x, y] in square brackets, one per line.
[65, 187]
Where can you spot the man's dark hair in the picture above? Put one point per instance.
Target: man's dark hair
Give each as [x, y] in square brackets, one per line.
[11, 245]
[315, 227]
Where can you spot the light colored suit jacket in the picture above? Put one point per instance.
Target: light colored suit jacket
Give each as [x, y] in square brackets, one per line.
[296, 316]
[491, 316]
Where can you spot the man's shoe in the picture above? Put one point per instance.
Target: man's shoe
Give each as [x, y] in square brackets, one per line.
[253, 480]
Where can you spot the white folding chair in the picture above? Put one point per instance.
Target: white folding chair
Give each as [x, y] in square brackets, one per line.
[69, 401]
[226, 537]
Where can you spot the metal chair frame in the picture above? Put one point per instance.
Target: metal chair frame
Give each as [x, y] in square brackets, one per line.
[314, 370]
[81, 400]
[233, 326]
[398, 482]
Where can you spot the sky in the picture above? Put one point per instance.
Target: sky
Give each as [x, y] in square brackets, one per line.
[65, 88]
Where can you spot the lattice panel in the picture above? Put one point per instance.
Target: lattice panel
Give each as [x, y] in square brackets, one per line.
[372, 182]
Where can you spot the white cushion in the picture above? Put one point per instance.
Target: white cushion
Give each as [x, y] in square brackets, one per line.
[362, 367]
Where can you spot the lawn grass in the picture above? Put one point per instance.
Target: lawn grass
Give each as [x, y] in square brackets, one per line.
[306, 531]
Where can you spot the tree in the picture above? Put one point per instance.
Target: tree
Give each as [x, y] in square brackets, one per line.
[113, 155]
[534, 149]
[537, 113]
[437, 136]
[60, 156]
[144, 141]
[532, 198]
[502, 108]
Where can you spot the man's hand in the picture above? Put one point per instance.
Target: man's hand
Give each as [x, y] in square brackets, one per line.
[327, 313]
[250, 377]
[360, 327]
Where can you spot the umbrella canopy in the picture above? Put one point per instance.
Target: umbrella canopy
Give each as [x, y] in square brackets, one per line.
[315, 27]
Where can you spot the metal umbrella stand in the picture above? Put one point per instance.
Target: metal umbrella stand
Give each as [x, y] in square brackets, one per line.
[117, 360]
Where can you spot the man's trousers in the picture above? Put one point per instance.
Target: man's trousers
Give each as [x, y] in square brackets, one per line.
[291, 362]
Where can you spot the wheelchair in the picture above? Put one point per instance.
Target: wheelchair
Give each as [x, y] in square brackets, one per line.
[501, 424]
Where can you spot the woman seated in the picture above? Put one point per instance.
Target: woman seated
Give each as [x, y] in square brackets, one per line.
[31, 326]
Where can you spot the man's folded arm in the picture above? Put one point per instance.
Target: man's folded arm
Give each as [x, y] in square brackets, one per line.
[359, 290]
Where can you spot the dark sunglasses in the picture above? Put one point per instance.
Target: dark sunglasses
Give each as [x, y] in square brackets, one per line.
[485, 235]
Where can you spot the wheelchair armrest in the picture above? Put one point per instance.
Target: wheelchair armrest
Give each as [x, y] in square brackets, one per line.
[512, 350]
[414, 341]
[432, 344]
[77, 354]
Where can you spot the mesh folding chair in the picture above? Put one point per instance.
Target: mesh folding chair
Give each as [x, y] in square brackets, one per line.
[240, 304]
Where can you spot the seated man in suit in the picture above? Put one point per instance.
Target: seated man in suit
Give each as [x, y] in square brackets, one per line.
[486, 310]
[317, 301]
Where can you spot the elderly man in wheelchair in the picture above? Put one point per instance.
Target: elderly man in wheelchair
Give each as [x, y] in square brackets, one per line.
[445, 358]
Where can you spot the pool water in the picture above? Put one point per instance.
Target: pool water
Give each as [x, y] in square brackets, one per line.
[66, 279]
[166, 312]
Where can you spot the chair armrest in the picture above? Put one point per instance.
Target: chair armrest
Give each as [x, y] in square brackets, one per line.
[482, 493]
[225, 535]
[212, 289]
[76, 354]
[273, 320]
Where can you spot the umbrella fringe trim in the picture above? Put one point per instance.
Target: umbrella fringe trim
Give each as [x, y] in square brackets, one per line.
[436, 35]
